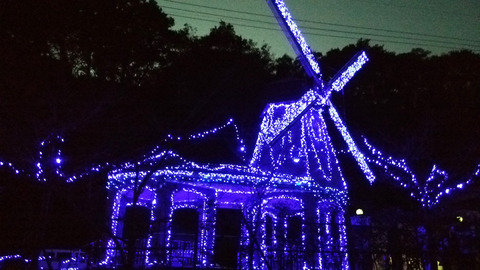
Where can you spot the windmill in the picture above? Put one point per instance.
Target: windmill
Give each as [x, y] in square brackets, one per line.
[298, 127]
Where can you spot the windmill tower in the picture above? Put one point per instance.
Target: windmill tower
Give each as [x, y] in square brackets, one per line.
[294, 140]
[293, 136]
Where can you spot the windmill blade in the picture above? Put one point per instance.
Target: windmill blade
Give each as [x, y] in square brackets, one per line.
[337, 83]
[352, 147]
[343, 76]
[311, 66]
[296, 112]
[296, 39]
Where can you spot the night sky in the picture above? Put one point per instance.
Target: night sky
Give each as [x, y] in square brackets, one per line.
[434, 25]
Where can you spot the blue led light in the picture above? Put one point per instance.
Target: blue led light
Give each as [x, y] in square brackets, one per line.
[339, 82]
[343, 76]
[303, 161]
[427, 192]
[299, 39]
[278, 118]
[352, 148]
[57, 142]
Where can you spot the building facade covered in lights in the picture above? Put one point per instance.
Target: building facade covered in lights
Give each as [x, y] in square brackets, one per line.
[285, 209]
[286, 206]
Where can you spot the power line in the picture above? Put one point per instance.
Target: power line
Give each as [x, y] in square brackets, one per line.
[325, 23]
[325, 35]
[332, 30]
[398, 39]
[391, 5]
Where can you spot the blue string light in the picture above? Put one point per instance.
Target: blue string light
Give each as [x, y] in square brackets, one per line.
[304, 161]
[299, 39]
[352, 148]
[427, 192]
[57, 160]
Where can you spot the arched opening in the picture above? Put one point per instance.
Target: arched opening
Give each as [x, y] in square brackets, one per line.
[136, 225]
[136, 222]
[283, 232]
[269, 235]
[188, 238]
[294, 232]
[227, 237]
[332, 237]
[184, 237]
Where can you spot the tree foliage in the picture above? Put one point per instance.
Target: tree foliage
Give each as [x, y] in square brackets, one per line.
[415, 105]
